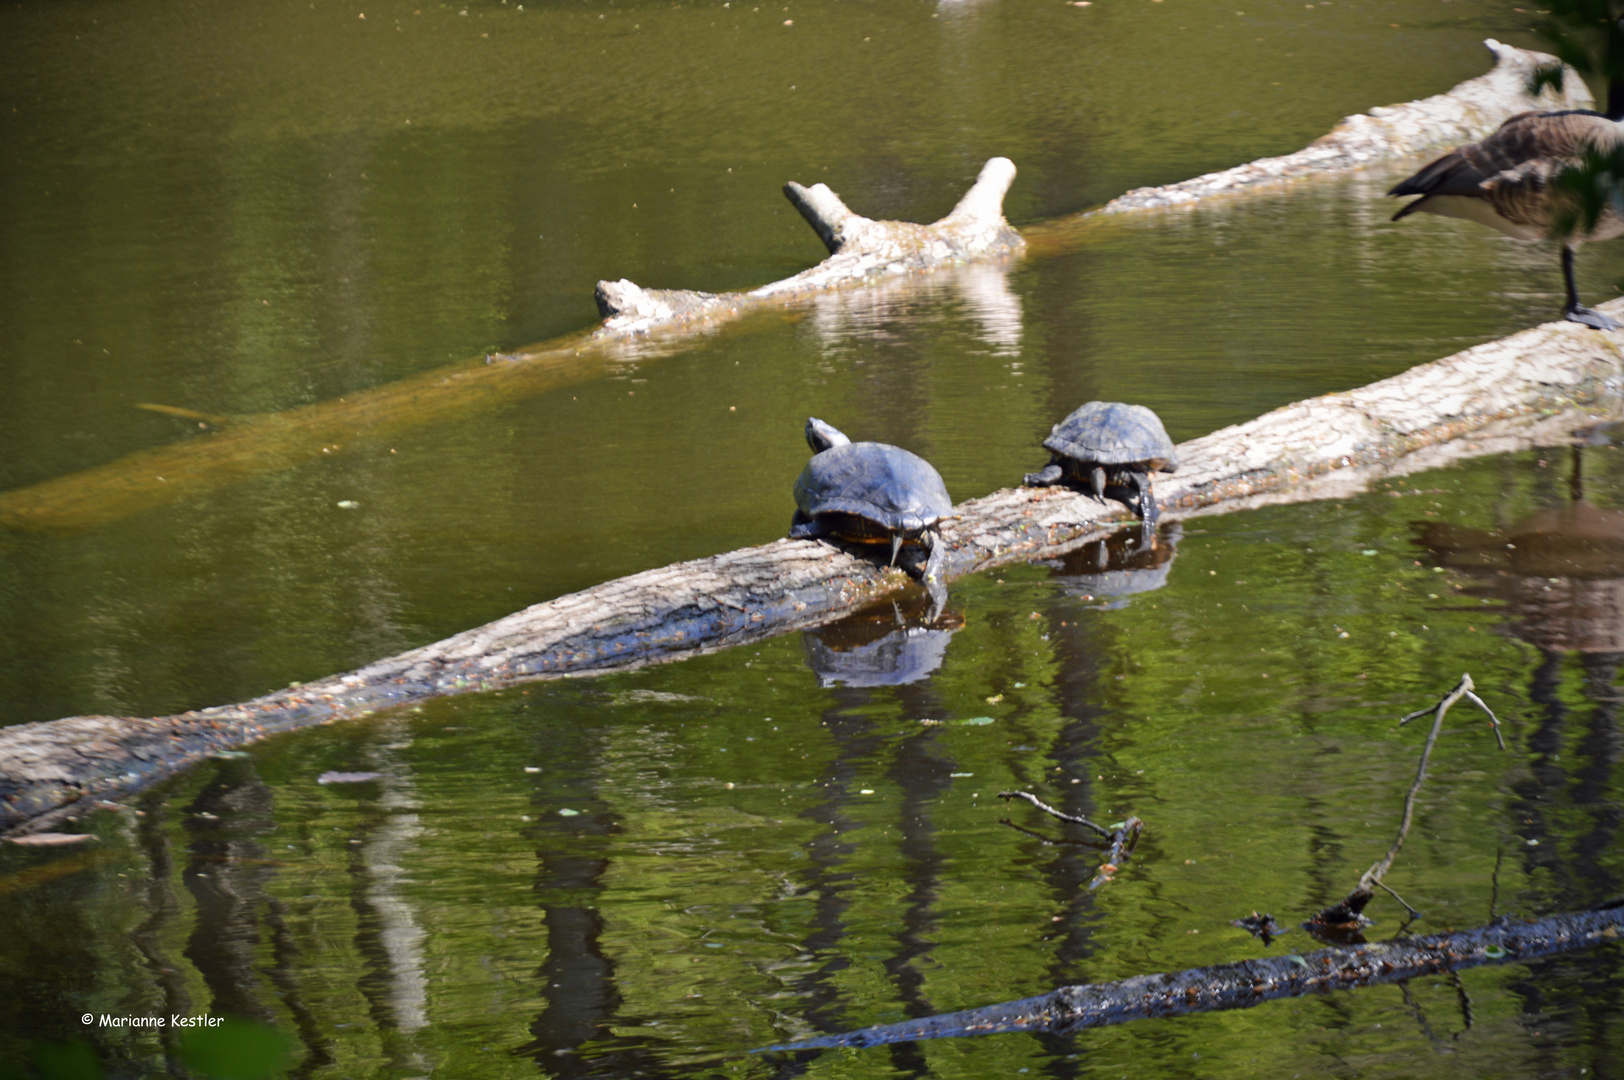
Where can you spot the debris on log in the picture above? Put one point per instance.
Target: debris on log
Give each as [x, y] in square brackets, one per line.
[861, 251]
[1534, 388]
[1250, 982]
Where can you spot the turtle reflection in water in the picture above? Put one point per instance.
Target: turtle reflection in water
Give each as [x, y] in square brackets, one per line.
[1109, 444]
[871, 493]
[889, 644]
[1121, 565]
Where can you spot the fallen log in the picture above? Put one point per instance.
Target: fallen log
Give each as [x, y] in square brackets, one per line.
[641, 325]
[1531, 389]
[1247, 983]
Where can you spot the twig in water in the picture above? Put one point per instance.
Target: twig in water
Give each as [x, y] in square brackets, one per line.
[1122, 839]
[1052, 812]
[1346, 916]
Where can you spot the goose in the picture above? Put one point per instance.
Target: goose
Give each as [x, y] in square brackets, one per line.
[1507, 182]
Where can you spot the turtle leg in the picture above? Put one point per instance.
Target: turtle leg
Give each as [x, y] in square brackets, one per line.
[1097, 477]
[1147, 498]
[932, 575]
[802, 527]
[933, 565]
[1044, 477]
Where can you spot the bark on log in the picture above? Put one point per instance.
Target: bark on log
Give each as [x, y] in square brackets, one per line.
[1250, 982]
[645, 324]
[1534, 388]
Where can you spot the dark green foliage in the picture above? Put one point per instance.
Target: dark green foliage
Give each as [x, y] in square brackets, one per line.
[1586, 35]
[236, 1050]
[1590, 189]
[74, 1060]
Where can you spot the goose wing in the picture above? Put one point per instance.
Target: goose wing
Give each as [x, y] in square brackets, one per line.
[1512, 168]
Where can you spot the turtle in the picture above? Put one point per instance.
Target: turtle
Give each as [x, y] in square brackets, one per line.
[870, 493]
[1109, 443]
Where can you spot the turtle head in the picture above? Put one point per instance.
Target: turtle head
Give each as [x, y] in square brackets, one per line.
[821, 436]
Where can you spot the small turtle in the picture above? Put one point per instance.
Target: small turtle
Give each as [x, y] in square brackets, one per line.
[1109, 443]
[869, 493]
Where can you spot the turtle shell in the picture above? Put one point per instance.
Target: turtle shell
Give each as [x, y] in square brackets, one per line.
[896, 490]
[1111, 433]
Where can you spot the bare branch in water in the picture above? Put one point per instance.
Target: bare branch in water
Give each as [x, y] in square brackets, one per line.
[1052, 812]
[1121, 840]
[1346, 916]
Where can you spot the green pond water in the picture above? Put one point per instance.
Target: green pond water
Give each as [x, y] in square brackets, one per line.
[239, 210]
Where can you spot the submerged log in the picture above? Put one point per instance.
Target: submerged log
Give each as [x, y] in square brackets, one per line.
[1531, 389]
[1250, 982]
[644, 324]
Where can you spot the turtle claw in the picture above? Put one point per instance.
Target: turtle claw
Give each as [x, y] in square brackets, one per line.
[896, 546]
[1147, 500]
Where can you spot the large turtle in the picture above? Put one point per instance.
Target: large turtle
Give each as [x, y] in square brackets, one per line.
[1109, 443]
[869, 493]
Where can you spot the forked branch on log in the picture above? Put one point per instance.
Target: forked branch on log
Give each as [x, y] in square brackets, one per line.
[861, 251]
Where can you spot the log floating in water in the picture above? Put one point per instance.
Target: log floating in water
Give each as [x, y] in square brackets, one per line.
[1517, 392]
[1250, 982]
[1533, 388]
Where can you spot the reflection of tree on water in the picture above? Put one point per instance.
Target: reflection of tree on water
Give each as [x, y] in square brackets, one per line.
[573, 1035]
[1560, 573]
[229, 875]
[890, 644]
[923, 777]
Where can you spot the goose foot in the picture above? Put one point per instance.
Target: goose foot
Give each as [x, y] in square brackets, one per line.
[1587, 317]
